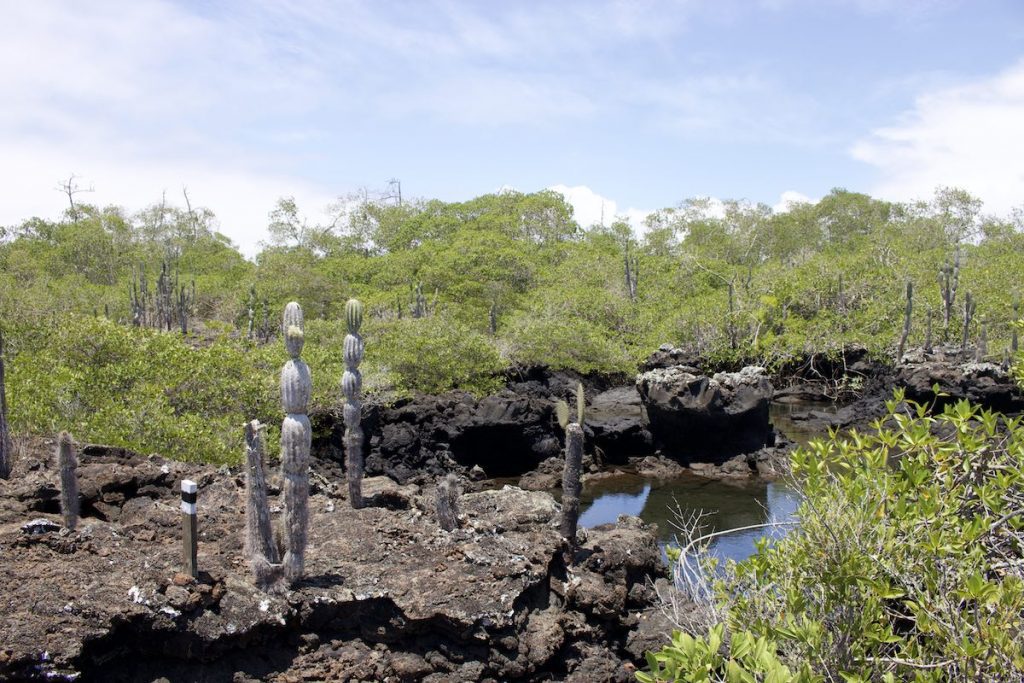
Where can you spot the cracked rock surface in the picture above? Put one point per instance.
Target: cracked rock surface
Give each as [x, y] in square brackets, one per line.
[388, 595]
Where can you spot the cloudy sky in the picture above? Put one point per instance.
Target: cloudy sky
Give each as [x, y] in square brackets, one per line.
[624, 106]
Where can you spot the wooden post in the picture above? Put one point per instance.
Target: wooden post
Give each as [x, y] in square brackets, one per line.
[189, 526]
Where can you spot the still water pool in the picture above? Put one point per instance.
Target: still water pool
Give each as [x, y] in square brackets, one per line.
[728, 505]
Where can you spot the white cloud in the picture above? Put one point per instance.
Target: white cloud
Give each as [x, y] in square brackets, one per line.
[968, 136]
[790, 197]
[240, 199]
[590, 208]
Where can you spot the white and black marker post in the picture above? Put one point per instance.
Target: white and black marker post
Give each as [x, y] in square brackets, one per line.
[188, 519]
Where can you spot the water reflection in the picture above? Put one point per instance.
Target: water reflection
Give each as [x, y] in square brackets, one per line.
[800, 431]
[729, 506]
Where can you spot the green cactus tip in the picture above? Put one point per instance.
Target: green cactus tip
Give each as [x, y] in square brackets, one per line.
[353, 315]
[562, 413]
[580, 403]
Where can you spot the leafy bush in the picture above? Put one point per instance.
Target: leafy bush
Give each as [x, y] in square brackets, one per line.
[563, 341]
[699, 660]
[139, 388]
[435, 354]
[908, 562]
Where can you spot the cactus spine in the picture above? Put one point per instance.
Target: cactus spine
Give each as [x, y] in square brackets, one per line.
[351, 383]
[296, 438]
[5, 435]
[67, 461]
[571, 486]
[907, 312]
[259, 541]
[447, 502]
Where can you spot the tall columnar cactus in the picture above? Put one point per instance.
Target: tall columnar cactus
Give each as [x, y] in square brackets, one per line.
[949, 280]
[1013, 332]
[907, 313]
[67, 461]
[969, 308]
[5, 434]
[632, 266]
[571, 486]
[296, 438]
[447, 502]
[260, 549]
[351, 383]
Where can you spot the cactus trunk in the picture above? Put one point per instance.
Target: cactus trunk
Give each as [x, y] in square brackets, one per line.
[6, 455]
[296, 437]
[969, 308]
[68, 463]
[259, 540]
[571, 481]
[447, 503]
[351, 384]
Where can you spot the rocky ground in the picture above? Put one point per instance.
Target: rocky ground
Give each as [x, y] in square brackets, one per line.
[388, 595]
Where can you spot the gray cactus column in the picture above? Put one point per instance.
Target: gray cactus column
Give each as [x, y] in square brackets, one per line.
[296, 438]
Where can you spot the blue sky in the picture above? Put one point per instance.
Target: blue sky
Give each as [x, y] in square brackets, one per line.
[625, 106]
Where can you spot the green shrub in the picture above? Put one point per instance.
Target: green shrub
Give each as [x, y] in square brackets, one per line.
[139, 388]
[750, 659]
[435, 354]
[562, 341]
[908, 562]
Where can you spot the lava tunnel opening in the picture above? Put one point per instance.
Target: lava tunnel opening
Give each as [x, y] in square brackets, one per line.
[501, 450]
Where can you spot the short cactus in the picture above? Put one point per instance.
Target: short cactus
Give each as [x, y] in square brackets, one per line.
[447, 502]
[5, 435]
[67, 461]
[351, 384]
[260, 548]
[296, 438]
[571, 486]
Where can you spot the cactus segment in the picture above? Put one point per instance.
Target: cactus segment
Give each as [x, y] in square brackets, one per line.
[294, 340]
[352, 350]
[353, 315]
[562, 413]
[296, 385]
[292, 317]
[581, 403]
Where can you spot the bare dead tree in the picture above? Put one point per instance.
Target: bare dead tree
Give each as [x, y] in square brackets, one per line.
[70, 188]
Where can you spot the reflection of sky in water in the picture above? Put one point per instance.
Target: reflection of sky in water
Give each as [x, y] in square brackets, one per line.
[729, 506]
